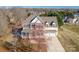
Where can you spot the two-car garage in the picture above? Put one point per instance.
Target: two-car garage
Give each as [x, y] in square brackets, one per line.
[50, 33]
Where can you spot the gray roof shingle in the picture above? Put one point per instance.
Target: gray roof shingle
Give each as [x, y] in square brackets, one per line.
[43, 19]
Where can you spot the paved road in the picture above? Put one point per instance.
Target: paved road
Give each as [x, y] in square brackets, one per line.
[54, 45]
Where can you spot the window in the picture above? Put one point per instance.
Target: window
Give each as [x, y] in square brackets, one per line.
[33, 25]
[23, 33]
[53, 24]
[46, 24]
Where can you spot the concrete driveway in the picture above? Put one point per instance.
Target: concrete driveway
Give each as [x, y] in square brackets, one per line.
[54, 45]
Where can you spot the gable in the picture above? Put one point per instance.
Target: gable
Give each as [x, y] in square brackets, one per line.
[36, 20]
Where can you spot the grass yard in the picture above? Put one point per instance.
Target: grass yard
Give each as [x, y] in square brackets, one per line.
[72, 27]
[69, 38]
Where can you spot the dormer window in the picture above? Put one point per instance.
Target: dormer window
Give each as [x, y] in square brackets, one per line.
[46, 24]
[53, 24]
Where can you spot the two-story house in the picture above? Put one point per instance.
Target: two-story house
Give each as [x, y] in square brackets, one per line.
[39, 27]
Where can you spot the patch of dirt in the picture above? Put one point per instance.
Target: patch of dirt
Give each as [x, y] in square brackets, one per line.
[3, 49]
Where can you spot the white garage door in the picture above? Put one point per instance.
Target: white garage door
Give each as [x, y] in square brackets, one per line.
[50, 34]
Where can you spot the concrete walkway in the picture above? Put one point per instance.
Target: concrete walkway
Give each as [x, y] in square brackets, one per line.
[54, 45]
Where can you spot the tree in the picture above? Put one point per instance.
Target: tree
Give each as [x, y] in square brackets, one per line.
[59, 18]
[69, 14]
[28, 14]
[50, 13]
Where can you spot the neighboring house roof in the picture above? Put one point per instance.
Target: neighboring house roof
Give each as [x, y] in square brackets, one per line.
[77, 14]
[74, 20]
